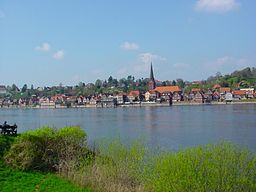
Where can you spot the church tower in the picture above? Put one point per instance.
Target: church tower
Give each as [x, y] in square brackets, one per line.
[152, 83]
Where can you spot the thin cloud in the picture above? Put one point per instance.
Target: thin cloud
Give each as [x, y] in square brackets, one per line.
[227, 64]
[129, 46]
[150, 57]
[44, 47]
[141, 66]
[218, 6]
[58, 55]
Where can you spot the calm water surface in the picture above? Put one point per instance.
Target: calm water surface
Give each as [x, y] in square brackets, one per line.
[168, 127]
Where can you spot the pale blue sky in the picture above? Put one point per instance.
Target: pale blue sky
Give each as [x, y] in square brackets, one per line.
[50, 42]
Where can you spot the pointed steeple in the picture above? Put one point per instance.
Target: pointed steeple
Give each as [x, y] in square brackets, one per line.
[152, 83]
[151, 73]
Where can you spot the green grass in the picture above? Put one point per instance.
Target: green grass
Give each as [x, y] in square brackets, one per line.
[15, 180]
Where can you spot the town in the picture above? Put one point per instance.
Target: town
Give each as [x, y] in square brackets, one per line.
[237, 87]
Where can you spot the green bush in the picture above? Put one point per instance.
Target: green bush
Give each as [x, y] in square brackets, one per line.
[48, 149]
[215, 167]
[5, 144]
[222, 167]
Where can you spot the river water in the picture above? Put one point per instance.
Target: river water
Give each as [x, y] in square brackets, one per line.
[168, 127]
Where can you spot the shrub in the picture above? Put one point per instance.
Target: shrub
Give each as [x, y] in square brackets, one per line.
[5, 144]
[48, 149]
[222, 167]
[115, 167]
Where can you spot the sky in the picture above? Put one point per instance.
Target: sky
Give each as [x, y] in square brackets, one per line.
[46, 43]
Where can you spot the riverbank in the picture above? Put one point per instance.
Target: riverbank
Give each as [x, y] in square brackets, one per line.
[113, 166]
[136, 104]
[17, 180]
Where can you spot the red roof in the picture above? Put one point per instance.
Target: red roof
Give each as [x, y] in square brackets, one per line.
[195, 90]
[167, 89]
[152, 91]
[225, 89]
[239, 92]
[134, 93]
[216, 86]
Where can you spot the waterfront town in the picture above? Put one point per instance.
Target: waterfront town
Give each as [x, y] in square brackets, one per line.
[152, 93]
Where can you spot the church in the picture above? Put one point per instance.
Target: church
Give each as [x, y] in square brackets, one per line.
[162, 92]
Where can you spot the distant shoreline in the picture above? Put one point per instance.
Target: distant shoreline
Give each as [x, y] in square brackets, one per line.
[142, 104]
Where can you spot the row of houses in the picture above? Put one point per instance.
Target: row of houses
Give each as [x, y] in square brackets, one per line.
[159, 94]
[217, 93]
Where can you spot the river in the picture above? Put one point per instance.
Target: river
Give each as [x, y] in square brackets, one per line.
[168, 127]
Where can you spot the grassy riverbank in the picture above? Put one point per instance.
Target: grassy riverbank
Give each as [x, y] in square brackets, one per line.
[15, 180]
[113, 166]
[12, 179]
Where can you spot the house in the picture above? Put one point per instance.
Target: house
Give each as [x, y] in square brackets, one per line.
[59, 98]
[195, 90]
[228, 97]
[167, 89]
[1, 102]
[81, 100]
[224, 90]
[209, 96]
[3, 89]
[216, 96]
[165, 92]
[176, 97]
[150, 95]
[45, 102]
[186, 97]
[134, 96]
[121, 98]
[92, 101]
[249, 92]
[199, 97]
[216, 87]
[239, 94]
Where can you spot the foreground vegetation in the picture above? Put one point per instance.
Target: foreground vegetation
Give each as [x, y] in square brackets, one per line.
[15, 180]
[113, 166]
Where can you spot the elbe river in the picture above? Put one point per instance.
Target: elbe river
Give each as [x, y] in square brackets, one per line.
[168, 127]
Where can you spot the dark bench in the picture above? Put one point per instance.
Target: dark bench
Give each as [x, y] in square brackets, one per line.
[8, 129]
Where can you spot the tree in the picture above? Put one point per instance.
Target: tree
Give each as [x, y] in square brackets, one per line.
[81, 84]
[115, 82]
[98, 83]
[24, 88]
[180, 83]
[14, 87]
[218, 75]
[110, 80]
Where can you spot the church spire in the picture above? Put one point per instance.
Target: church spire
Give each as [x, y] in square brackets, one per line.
[152, 83]
[151, 73]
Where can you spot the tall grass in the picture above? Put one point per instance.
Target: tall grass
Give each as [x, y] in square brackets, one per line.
[215, 167]
[221, 167]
